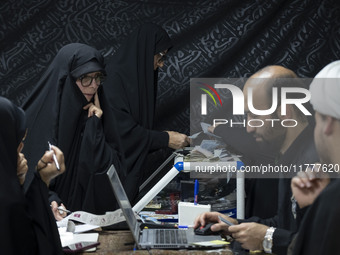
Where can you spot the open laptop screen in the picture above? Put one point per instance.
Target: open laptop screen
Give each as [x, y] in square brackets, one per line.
[123, 201]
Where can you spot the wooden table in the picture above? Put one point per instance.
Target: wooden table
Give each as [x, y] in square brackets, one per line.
[121, 242]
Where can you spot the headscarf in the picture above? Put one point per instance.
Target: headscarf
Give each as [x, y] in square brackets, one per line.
[325, 90]
[12, 131]
[55, 113]
[12, 212]
[134, 61]
[27, 224]
[131, 87]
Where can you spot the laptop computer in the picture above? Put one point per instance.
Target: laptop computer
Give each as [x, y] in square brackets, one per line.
[155, 238]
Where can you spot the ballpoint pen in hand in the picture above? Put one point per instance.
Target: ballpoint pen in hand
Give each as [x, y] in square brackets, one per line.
[54, 157]
[61, 209]
[226, 221]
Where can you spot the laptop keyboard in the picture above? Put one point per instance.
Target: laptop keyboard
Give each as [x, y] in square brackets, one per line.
[170, 236]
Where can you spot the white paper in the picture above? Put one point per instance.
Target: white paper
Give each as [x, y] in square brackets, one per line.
[194, 136]
[92, 219]
[66, 239]
[84, 227]
[205, 127]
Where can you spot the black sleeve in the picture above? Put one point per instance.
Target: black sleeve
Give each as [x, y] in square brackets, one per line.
[272, 222]
[44, 225]
[136, 138]
[53, 196]
[319, 230]
[281, 240]
[95, 157]
[159, 140]
[281, 237]
[16, 229]
[300, 213]
[96, 149]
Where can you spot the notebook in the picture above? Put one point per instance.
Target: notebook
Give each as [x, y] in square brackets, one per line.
[155, 238]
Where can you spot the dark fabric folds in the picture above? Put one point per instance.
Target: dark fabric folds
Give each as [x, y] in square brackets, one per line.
[301, 151]
[27, 223]
[267, 189]
[44, 225]
[131, 88]
[322, 218]
[55, 113]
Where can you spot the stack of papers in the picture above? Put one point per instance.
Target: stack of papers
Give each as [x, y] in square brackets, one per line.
[68, 238]
[208, 151]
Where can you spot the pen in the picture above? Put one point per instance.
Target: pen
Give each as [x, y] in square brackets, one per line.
[54, 157]
[226, 221]
[196, 192]
[62, 209]
[184, 226]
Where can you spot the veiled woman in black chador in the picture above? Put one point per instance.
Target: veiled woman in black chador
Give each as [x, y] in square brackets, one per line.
[27, 223]
[67, 108]
[131, 87]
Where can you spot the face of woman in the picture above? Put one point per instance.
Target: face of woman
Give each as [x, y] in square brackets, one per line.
[158, 59]
[89, 84]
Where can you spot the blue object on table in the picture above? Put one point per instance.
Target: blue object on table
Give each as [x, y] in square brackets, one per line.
[196, 192]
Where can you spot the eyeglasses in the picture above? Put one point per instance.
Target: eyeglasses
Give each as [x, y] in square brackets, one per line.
[162, 58]
[86, 80]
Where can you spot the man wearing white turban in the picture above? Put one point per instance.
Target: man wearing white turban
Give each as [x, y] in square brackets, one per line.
[318, 233]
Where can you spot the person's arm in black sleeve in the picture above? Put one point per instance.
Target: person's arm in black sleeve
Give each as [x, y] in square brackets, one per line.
[136, 136]
[44, 224]
[159, 139]
[281, 237]
[53, 196]
[281, 240]
[95, 157]
[271, 222]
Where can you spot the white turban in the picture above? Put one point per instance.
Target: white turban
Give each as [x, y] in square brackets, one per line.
[325, 90]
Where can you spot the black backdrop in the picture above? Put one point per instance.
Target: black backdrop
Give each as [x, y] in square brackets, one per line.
[222, 38]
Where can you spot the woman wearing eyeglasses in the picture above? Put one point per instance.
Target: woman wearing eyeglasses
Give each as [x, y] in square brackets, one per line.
[66, 108]
[131, 87]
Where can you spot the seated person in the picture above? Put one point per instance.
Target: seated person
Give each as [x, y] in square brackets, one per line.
[259, 192]
[27, 222]
[294, 146]
[319, 230]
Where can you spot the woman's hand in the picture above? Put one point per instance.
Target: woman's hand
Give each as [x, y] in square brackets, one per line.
[58, 214]
[46, 166]
[21, 168]
[94, 109]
